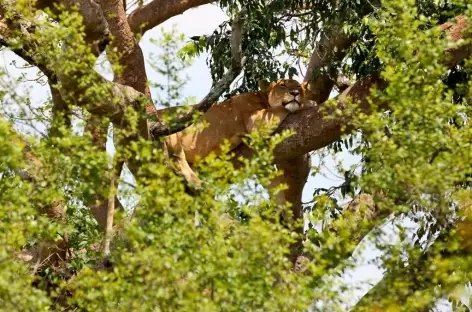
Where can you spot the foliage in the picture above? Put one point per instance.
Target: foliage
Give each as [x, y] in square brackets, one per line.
[186, 253]
[224, 247]
[418, 156]
[18, 224]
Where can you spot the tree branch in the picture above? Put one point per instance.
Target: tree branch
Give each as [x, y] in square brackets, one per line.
[97, 129]
[320, 74]
[112, 103]
[297, 168]
[131, 73]
[96, 26]
[157, 11]
[26, 51]
[61, 111]
[98, 205]
[313, 131]
[110, 212]
[131, 60]
[237, 62]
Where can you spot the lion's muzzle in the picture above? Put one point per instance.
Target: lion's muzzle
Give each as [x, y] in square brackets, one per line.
[293, 104]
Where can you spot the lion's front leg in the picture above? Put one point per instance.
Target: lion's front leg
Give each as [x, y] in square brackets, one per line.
[185, 169]
[273, 115]
[179, 162]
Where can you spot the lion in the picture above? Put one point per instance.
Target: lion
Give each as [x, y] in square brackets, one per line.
[232, 120]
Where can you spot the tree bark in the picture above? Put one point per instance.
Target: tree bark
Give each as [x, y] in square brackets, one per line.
[158, 11]
[320, 74]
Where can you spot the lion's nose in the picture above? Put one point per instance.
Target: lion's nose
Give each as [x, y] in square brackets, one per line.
[294, 92]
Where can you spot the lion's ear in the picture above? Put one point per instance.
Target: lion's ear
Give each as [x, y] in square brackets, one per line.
[263, 85]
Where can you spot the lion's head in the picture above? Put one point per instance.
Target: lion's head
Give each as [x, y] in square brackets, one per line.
[285, 92]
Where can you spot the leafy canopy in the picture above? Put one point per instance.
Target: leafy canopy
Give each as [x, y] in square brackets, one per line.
[224, 249]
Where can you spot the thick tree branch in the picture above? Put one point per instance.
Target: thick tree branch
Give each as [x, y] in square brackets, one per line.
[131, 73]
[222, 85]
[98, 95]
[297, 168]
[320, 74]
[97, 129]
[131, 60]
[61, 111]
[120, 96]
[96, 30]
[295, 174]
[130, 56]
[157, 11]
[96, 26]
[314, 131]
[26, 51]
[98, 205]
[112, 106]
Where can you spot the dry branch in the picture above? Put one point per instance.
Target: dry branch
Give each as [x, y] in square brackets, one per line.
[110, 212]
[222, 85]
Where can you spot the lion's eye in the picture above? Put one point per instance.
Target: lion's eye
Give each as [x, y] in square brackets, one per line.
[283, 85]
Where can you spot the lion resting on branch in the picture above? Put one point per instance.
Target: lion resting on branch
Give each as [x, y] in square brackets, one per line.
[231, 121]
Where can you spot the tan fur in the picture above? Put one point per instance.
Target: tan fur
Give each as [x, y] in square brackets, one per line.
[231, 120]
